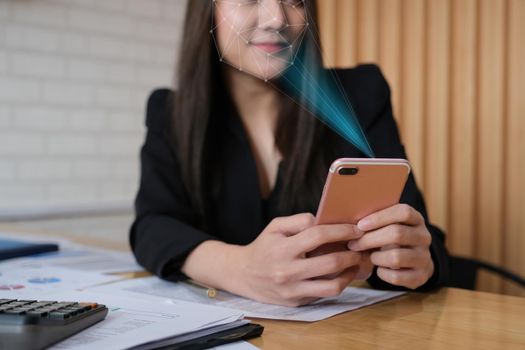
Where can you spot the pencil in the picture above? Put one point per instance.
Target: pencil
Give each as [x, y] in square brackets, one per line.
[210, 292]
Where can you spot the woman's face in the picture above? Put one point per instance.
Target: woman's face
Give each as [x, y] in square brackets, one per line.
[259, 37]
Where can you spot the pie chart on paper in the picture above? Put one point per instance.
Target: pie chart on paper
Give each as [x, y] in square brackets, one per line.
[44, 280]
[11, 286]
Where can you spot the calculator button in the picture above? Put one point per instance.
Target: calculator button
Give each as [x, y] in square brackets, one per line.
[54, 307]
[41, 303]
[24, 308]
[73, 311]
[78, 309]
[85, 308]
[66, 303]
[70, 312]
[15, 312]
[58, 315]
[37, 313]
[43, 310]
[15, 304]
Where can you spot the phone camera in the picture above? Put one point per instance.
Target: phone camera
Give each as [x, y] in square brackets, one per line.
[348, 171]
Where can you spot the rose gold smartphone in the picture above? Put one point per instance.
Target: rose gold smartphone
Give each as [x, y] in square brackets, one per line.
[358, 187]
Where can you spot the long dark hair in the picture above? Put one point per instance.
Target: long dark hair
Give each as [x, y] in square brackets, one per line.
[305, 143]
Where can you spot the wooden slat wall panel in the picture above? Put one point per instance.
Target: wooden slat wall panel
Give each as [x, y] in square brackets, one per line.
[389, 48]
[347, 32]
[412, 83]
[461, 226]
[458, 90]
[368, 30]
[328, 31]
[515, 147]
[490, 166]
[437, 111]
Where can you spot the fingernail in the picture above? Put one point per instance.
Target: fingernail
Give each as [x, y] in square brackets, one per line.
[358, 232]
[352, 245]
[363, 224]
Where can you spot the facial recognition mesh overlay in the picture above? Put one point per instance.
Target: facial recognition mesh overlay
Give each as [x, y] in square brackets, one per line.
[265, 39]
[258, 37]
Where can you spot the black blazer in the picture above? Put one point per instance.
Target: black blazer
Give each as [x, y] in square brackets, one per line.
[165, 228]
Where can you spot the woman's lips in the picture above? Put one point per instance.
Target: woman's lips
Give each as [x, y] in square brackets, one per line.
[270, 47]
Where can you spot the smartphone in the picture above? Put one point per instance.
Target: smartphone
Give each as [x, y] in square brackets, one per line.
[358, 187]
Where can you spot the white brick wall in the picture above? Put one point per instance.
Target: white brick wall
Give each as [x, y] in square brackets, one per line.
[74, 79]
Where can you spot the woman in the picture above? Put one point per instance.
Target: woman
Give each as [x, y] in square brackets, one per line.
[232, 169]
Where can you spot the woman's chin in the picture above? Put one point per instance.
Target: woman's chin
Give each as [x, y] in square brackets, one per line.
[267, 75]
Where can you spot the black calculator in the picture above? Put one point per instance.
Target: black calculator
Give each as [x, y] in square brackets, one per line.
[31, 324]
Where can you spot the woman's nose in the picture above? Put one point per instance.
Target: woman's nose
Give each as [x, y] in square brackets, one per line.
[271, 15]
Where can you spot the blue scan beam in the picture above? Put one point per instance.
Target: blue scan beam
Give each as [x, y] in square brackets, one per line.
[325, 98]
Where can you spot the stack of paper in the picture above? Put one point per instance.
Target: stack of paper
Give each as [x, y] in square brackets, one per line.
[135, 324]
[153, 287]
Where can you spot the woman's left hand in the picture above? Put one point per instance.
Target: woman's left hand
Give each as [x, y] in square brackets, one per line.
[399, 241]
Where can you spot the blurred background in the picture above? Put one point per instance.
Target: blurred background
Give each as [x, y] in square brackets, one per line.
[74, 79]
[75, 76]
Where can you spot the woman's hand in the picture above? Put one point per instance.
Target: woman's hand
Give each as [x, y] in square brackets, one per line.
[365, 268]
[276, 268]
[400, 242]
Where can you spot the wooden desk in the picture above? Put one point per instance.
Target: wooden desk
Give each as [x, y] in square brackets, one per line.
[447, 319]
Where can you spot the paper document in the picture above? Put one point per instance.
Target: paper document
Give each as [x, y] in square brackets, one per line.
[240, 345]
[80, 258]
[32, 282]
[351, 299]
[75, 256]
[132, 323]
[72, 267]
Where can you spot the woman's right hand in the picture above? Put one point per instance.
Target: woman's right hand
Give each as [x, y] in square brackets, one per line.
[276, 268]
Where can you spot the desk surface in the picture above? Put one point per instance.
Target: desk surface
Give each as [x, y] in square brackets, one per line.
[446, 319]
